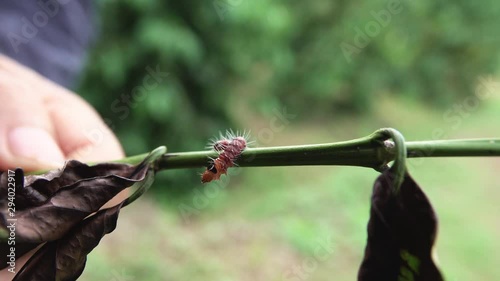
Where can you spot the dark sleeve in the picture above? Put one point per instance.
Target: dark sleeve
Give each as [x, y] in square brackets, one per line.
[49, 36]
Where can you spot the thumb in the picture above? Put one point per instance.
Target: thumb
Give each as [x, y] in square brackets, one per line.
[26, 135]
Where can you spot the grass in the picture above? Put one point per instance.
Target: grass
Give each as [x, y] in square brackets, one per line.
[267, 222]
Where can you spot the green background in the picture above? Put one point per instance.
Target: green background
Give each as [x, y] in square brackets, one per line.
[417, 66]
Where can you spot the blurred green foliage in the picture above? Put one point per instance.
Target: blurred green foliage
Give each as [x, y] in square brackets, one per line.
[227, 57]
[335, 57]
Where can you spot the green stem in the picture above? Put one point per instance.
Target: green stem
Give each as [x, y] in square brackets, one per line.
[370, 151]
[454, 148]
[360, 152]
[373, 151]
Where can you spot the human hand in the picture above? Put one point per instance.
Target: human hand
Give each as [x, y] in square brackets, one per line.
[42, 124]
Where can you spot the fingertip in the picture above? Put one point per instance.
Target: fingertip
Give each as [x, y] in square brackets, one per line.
[33, 148]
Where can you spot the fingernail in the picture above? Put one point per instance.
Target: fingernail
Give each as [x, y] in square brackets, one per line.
[35, 144]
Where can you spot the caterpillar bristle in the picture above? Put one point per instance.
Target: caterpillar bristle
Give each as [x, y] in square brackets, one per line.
[229, 147]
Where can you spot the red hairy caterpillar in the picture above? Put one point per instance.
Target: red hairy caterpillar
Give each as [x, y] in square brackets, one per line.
[229, 148]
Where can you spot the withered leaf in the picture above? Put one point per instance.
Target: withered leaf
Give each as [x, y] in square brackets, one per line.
[39, 188]
[401, 233]
[57, 211]
[51, 205]
[65, 258]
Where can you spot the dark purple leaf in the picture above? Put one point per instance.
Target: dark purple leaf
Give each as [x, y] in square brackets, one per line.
[65, 198]
[57, 211]
[401, 234]
[46, 185]
[65, 258]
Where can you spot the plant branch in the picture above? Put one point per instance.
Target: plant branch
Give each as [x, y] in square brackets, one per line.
[454, 148]
[360, 152]
[373, 151]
